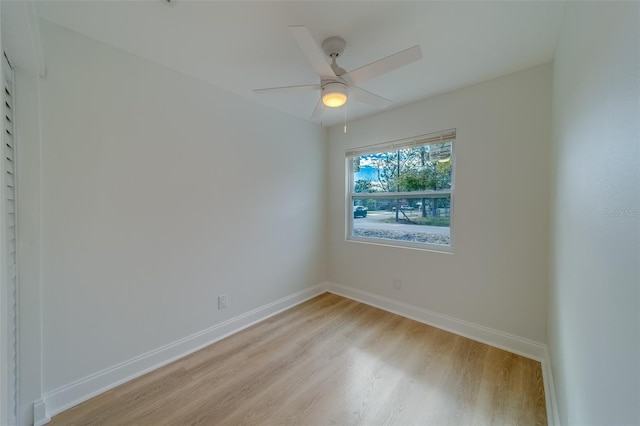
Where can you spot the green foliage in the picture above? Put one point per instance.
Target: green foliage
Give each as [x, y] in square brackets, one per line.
[431, 176]
[362, 185]
[415, 180]
[411, 169]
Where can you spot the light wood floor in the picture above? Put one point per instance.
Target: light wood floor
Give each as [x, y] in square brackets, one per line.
[330, 361]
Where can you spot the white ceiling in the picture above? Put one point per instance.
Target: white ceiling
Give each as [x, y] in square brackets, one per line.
[240, 46]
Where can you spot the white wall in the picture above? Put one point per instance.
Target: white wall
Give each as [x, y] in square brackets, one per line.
[160, 193]
[496, 276]
[594, 309]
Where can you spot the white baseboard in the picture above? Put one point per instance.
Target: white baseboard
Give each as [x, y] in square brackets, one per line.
[553, 417]
[67, 396]
[509, 342]
[74, 393]
[40, 416]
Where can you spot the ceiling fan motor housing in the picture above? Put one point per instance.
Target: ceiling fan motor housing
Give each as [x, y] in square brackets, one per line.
[334, 46]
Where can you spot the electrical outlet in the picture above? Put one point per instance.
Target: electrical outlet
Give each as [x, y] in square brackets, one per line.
[397, 284]
[222, 301]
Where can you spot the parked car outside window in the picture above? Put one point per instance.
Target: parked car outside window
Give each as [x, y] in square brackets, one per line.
[359, 211]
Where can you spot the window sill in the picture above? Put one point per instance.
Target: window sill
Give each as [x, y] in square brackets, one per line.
[434, 248]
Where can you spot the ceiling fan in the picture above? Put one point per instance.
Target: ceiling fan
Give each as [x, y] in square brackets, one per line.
[336, 84]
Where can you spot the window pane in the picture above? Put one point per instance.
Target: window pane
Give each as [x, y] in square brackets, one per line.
[404, 170]
[420, 220]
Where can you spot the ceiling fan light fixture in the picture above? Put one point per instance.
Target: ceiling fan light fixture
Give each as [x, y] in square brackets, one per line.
[334, 94]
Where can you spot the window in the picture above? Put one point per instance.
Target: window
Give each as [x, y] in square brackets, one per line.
[401, 193]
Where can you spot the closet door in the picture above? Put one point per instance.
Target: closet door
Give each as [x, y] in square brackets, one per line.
[8, 249]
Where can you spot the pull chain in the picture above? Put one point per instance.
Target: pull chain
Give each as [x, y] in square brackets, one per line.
[345, 118]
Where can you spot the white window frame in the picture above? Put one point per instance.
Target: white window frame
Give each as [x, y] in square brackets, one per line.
[351, 195]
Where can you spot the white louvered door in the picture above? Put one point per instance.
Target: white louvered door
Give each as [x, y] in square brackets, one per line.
[9, 238]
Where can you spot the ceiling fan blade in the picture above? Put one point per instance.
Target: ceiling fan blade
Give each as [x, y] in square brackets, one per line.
[317, 112]
[383, 66]
[288, 89]
[367, 97]
[312, 51]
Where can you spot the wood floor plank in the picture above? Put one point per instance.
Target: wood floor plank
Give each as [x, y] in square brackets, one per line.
[330, 360]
